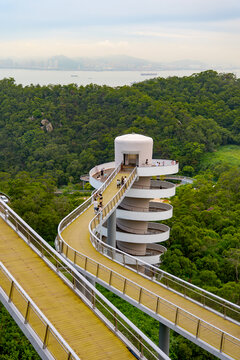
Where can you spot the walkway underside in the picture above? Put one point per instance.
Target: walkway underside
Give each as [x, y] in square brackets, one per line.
[82, 330]
[77, 236]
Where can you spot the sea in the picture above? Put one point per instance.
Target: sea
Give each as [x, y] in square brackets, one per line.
[109, 78]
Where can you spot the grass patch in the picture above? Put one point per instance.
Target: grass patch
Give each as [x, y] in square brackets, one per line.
[227, 154]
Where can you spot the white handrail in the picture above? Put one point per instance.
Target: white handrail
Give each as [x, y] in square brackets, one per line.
[106, 249]
[64, 269]
[156, 273]
[84, 206]
[40, 314]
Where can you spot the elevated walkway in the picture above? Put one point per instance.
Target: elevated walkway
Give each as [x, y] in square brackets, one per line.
[33, 276]
[197, 320]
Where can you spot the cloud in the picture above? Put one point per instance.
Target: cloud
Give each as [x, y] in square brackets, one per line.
[153, 29]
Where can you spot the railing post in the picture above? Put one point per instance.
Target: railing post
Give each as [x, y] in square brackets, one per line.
[75, 255]
[221, 342]
[45, 337]
[198, 328]
[57, 265]
[93, 299]
[141, 347]
[115, 320]
[11, 292]
[27, 312]
[157, 306]
[74, 283]
[224, 310]
[110, 278]
[124, 286]
[85, 266]
[176, 317]
[97, 270]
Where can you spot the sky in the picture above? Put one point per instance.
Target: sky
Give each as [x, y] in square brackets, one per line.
[157, 30]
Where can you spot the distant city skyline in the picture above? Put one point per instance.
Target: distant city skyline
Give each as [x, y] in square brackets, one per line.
[155, 30]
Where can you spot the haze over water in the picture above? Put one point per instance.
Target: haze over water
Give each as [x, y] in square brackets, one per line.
[110, 78]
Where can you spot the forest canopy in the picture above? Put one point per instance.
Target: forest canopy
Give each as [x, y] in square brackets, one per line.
[50, 135]
[65, 130]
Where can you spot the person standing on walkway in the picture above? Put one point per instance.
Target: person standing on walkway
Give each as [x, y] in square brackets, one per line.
[95, 206]
[100, 197]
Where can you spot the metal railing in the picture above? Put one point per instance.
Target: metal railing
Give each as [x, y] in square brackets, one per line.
[160, 162]
[84, 206]
[153, 207]
[113, 203]
[109, 314]
[152, 229]
[31, 315]
[177, 315]
[155, 185]
[202, 297]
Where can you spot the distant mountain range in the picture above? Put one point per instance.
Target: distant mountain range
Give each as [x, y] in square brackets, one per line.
[110, 63]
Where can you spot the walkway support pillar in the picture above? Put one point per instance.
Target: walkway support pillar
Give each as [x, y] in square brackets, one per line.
[164, 337]
[111, 226]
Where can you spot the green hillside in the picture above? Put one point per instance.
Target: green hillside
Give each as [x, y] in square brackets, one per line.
[227, 154]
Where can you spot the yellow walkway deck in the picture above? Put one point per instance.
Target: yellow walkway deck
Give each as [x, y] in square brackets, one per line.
[77, 236]
[78, 325]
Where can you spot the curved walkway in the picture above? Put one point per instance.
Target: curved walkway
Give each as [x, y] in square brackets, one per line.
[87, 335]
[77, 236]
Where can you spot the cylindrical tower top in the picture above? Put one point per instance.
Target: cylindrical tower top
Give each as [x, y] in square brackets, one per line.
[133, 149]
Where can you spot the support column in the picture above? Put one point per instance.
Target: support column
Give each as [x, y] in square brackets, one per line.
[111, 226]
[164, 336]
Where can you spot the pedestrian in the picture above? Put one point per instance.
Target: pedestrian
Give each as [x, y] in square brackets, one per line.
[125, 181]
[102, 172]
[95, 206]
[122, 180]
[118, 183]
[146, 162]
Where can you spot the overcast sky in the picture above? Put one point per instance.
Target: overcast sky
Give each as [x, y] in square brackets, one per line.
[169, 30]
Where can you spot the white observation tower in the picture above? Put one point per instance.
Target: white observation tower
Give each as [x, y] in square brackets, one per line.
[132, 228]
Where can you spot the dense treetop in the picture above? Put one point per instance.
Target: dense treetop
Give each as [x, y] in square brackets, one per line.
[185, 116]
[50, 135]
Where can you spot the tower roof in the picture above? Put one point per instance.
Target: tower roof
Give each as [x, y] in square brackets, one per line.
[134, 138]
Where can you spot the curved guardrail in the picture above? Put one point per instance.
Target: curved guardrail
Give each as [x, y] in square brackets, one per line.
[223, 342]
[138, 342]
[184, 288]
[84, 206]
